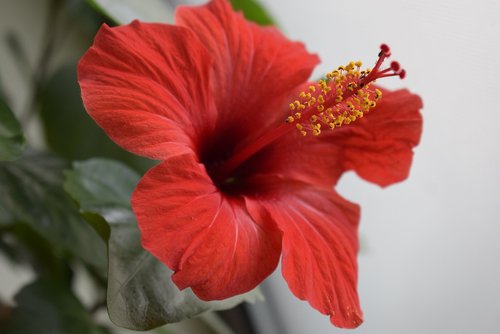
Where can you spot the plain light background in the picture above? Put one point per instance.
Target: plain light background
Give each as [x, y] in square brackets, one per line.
[430, 260]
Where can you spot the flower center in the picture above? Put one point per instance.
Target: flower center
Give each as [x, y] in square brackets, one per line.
[338, 99]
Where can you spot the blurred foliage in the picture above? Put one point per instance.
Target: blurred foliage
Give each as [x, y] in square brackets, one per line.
[11, 138]
[253, 11]
[32, 193]
[46, 307]
[41, 226]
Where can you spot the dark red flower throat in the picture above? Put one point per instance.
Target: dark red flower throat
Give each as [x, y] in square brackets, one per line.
[338, 99]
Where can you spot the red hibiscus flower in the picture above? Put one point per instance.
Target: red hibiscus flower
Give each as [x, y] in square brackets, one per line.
[239, 186]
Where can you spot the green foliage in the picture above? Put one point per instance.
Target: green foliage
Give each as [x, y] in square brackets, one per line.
[11, 137]
[47, 307]
[32, 194]
[141, 294]
[253, 11]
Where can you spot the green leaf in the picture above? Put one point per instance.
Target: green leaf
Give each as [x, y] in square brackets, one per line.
[46, 307]
[140, 293]
[124, 11]
[253, 11]
[69, 130]
[11, 137]
[32, 193]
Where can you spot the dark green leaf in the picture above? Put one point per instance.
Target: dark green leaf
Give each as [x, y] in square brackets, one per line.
[98, 223]
[46, 307]
[32, 193]
[69, 130]
[39, 253]
[253, 11]
[141, 294]
[11, 137]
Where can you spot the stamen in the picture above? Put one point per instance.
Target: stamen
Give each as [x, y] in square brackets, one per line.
[339, 99]
[342, 96]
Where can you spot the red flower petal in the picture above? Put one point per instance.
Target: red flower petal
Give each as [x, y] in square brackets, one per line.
[319, 248]
[255, 68]
[378, 147]
[207, 238]
[147, 85]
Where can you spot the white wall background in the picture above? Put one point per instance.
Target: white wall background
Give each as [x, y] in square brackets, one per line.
[431, 246]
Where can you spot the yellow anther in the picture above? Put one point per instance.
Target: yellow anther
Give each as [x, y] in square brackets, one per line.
[339, 98]
[339, 120]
